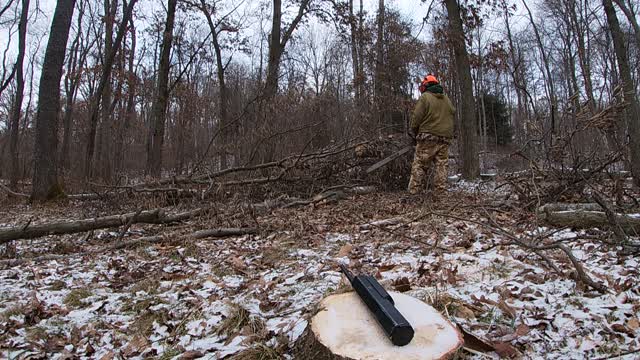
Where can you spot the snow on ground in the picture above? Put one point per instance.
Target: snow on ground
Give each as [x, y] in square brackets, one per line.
[220, 298]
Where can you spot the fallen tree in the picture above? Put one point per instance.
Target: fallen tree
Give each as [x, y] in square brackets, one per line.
[131, 243]
[591, 219]
[555, 207]
[156, 216]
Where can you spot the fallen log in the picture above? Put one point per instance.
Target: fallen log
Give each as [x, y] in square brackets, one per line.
[553, 207]
[344, 329]
[223, 232]
[172, 238]
[591, 219]
[132, 243]
[156, 216]
[78, 197]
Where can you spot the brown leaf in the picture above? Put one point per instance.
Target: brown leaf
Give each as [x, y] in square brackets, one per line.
[345, 250]
[108, 356]
[483, 299]
[506, 309]
[89, 350]
[622, 329]
[464, 312]
[505, 350]
[633, 324]
[475, 343]
[189, 355]
[522, 330]
[387, 267]
[135, 346]
[237, 263]
[402, 284]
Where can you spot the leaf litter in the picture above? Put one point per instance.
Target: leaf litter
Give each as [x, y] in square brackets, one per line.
[234, 297]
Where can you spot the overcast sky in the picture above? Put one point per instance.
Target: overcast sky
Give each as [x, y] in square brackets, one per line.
[414, 10]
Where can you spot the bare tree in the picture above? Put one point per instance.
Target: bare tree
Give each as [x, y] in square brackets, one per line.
[17, 103]
[546, 64]
[159, 108]
[104, 80]
[80, 48]
[277, 42]
[45, 175]
[468, 126]
[380, 66]
[633, 115]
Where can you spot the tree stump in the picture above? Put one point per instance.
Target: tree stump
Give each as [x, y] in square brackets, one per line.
[345, 329]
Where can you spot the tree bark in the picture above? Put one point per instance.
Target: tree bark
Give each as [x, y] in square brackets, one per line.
[633, 111]
[161, 98]
[45, 174]
[379, 95]
[130, 111]
[77, 58]
[107, 67]
[553, 100]
[156, 216]
[17, 103]
[105, 133]
[224, 98]
[354, 53]
[586, 219]
[628, 13]
[585, 62]
[277, 43]
[469, 126]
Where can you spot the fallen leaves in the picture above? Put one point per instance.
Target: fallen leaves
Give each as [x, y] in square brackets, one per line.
[345, 250]
[135, 346]
[504, 296]
[402, 284]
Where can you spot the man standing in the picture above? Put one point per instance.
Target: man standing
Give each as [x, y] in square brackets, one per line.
[432, 125]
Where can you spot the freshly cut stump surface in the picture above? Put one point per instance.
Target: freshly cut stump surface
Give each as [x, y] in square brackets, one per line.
[345, 329]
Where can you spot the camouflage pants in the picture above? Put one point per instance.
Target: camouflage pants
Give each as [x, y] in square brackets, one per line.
[434, 150]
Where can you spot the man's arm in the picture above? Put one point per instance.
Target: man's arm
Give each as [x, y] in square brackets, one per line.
[418, 115]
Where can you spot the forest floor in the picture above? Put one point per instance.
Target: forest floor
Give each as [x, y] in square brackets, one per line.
[249, 297]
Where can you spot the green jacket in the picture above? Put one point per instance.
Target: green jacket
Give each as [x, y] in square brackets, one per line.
[433, 113]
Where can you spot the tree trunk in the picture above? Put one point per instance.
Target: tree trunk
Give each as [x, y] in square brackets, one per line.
[515, 74]
[107, 67]
[549, 78]
[379, 95]
[468, 127]
[156, 216]
[633, 111]
[77, 58]
[354, 53]
[130, 112]
[161, 98]
[275, 51]
[583, 59]
[277, 43]
[632, 19]
[17, 103]
[45, 175]
[223, 99]
[105, 133]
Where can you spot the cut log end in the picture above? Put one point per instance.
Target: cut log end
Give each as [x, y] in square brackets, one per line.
[344, 329]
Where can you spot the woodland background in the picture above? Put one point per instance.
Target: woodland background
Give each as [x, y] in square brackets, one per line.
[181, 178]
[169, 88]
